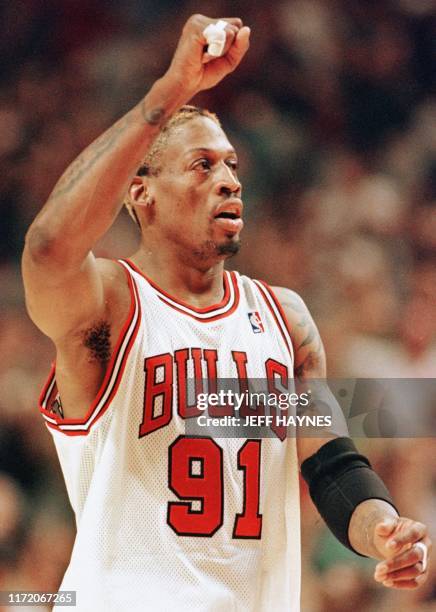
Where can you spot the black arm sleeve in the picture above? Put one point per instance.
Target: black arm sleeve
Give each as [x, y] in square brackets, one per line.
[339, 479]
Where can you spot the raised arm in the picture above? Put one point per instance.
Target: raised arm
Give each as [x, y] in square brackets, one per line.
[58, 265]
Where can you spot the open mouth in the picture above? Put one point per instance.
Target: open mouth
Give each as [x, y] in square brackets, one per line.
[227, 215]
[230, 221]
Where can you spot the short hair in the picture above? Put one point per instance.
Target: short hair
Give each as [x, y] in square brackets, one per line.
[150, 164]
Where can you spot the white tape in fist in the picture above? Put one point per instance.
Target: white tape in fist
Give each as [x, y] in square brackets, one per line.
[215, 36]
[424, 551]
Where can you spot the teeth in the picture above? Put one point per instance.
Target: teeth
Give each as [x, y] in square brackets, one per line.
[227, 215]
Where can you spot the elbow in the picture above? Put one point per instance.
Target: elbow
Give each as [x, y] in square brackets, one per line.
[51, 249]
[40, 244]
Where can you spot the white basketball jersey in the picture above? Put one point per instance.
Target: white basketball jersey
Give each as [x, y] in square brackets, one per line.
[167, 522]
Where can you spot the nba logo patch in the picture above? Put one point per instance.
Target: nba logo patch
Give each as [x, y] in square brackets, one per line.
[256, 322]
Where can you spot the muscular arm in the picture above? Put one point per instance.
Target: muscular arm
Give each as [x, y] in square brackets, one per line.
[58, 264]
[310, 367]
[375, 529]
[57, 261]
[310, 372]
[76, 300]
[310, 359]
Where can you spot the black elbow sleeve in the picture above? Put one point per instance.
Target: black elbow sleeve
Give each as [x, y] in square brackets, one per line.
[339, 479]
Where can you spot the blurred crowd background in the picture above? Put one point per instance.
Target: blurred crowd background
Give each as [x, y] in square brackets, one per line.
[333, 118]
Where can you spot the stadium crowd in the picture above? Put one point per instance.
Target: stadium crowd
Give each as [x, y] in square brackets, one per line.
[332, 115]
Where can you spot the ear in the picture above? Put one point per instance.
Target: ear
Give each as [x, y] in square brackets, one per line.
[138, 191]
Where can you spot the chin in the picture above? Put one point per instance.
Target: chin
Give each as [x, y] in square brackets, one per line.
[210, 250]
[229, 248]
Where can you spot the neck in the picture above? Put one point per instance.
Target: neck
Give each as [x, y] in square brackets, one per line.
[200, 286]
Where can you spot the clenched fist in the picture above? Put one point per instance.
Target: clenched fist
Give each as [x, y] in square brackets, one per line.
[192, 68]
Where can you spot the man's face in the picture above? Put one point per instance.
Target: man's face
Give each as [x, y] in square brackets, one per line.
[197, 196]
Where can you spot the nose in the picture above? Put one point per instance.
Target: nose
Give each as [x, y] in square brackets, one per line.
[227, 183]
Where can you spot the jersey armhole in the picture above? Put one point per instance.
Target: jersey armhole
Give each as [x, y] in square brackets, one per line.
[49, 402]
[278, 314]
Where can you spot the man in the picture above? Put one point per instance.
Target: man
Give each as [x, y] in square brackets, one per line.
[167, 521]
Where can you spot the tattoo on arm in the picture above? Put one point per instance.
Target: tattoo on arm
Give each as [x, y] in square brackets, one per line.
[295, 303]
[303, 320]
[365, 526]
[88, 158]
[311, 337]
[106, 142]
[56, 407]
[363, 522]
[310, 363]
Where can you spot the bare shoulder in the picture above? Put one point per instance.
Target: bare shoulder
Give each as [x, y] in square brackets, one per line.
[290, 300]
[113, 275]
[117, 294]
[308, 348]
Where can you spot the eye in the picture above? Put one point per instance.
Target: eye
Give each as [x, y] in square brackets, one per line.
[202, 164]
[233, 164]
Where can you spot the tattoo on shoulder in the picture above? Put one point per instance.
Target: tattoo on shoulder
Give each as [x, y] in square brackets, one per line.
[152, 116]
[299, 308]
[311, 361]
[56, 407]
[97, 340]
[294, 302]
[310, 337]
[307, 335]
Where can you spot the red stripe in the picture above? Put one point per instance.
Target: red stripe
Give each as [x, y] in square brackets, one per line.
[218, 316]
[195, 309]
[84, 432]
[268, 289]
[279, 306]
[45, 389]
[108, 375]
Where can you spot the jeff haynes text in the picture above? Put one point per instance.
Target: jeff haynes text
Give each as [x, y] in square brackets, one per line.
[265, 421]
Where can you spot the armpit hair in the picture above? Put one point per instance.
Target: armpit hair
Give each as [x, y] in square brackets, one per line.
[97, 340]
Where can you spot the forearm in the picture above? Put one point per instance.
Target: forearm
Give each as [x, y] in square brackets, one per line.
[363, 522]
[341, 480]
[89, 195]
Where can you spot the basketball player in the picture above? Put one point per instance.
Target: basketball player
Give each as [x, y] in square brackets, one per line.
[166, 521]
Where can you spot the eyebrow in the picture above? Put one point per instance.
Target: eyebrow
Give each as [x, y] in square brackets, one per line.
[207, 150]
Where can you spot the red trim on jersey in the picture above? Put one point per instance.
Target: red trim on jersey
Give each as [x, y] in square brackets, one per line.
[222, 315]
[58, 423]
[164, 293]
[265, 290]
[227, 304]
[279, 306]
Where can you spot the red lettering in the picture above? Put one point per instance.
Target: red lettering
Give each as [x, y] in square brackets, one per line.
[274, 371]
[158, 393]
[185, 409]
